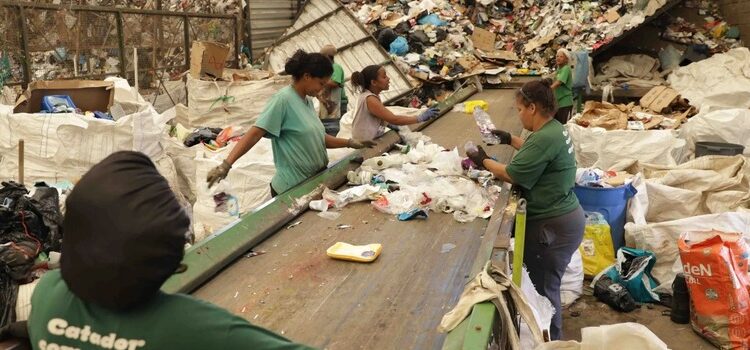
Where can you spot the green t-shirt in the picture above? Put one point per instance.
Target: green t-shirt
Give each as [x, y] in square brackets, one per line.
[564, 92]
[545, 169]
[338, 77]
[60, 320]
[297, 138]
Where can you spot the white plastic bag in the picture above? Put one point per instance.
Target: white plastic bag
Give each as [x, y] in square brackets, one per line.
[571, 286]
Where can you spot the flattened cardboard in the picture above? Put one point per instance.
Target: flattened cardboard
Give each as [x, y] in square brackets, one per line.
[612, 16]
[659, 98]
[87, 95]
[209, 58]
[499, 55]
[483, 39]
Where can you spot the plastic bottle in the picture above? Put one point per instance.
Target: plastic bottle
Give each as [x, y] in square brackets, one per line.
[484, 122]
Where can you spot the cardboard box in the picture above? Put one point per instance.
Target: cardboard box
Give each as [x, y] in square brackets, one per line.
[659, 98]
[208, 58]
[88, 95]
[483, 39]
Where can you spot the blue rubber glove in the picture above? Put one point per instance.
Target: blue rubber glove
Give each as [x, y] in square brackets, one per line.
[431, 113]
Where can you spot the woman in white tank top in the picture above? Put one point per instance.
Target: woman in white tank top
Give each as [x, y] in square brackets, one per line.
[370, 114]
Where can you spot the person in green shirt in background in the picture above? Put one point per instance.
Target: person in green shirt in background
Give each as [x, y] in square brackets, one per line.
[563, 85]
[125, 234]
[298, 139]
[544, 168]
[332, 98]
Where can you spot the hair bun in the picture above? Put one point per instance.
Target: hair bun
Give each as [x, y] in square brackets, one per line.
[547, 82]
[294, 65]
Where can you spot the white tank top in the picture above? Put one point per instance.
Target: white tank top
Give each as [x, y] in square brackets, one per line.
[365, 125]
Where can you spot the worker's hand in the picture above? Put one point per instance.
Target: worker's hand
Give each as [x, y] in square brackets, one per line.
[361, 144]
[478, 157]
[431, 113]
[502, 135]
[219, 173]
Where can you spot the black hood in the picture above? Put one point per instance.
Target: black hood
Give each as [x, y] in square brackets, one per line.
[124, 233]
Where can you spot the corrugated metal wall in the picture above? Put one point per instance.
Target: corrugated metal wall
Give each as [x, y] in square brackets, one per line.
[268, 21]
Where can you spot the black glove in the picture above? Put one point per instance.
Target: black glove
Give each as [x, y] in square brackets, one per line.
[502, 135]
[478, 157]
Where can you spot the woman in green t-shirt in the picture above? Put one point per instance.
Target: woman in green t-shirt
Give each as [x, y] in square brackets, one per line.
[298, 138]
[563, 85]
[544, 168]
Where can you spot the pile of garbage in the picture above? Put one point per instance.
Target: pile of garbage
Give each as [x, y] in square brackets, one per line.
[420, 178]
[660, 109]
[715, 33]
[598, 178]
[30, 230]
[212, 138]
[430, 36]
[429, 39]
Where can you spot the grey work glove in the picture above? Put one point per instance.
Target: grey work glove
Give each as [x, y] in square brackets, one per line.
[502, 135]
[478, 157]
[219, 173]
[431, 113]
[360, 144]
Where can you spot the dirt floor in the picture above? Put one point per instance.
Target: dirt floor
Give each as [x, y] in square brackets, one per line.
[591, 313]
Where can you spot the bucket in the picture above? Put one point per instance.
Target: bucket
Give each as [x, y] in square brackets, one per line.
[612, 203]
[717, 149]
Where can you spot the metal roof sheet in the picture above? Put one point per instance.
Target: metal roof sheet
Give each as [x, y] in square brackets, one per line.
[323, 22]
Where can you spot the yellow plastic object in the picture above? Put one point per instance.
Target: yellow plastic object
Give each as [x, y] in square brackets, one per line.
[470, 105]
[358, 253]
[597, 249]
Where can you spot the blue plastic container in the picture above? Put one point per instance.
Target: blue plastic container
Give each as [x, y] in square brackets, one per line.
[610, 202]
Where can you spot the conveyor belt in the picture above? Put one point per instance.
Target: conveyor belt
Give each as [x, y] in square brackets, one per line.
[395, 302]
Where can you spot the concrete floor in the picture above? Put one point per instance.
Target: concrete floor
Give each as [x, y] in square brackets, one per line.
[593, 313]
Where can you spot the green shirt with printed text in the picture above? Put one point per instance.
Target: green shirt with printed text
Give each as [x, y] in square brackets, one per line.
[545, 169]
[60, 320]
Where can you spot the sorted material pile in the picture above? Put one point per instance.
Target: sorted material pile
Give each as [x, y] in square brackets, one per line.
[422, 177]
[715, 33]
[661, 108]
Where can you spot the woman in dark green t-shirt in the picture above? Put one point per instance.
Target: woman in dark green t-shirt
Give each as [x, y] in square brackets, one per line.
[544, 168]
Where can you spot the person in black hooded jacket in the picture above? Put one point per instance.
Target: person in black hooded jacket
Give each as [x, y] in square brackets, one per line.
[124, 236]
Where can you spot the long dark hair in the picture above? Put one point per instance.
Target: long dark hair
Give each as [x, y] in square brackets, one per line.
[314, 64]
[539, 92]
[364, 79]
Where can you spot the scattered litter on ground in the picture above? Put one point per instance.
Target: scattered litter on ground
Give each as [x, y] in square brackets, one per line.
[293, 225]
[329, 215]
[343, 227]
[447, 247]
[253, 253]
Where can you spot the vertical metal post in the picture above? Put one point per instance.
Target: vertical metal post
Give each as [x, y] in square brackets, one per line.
[237, 42]
[121, 44]
[248, 31]
[186, 32]
[21, 155]
[24, 47]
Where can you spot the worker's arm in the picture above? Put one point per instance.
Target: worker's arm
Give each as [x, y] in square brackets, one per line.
[331, 84]
[245, 144]
[497, 169]
[516, 142]
[336, 142]
[378, 109]
[556, 84]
